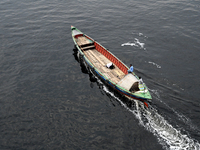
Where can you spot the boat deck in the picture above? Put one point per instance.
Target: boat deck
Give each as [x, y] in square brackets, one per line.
[100, 61]
[83, 41]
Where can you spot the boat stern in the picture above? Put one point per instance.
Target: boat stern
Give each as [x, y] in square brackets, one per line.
[75, 32]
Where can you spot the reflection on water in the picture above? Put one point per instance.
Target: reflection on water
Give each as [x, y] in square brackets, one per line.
[83, 66]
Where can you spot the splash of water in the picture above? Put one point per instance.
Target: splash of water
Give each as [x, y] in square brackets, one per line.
[180, 116]
[158, 66]
[150, 119]
[136, 43]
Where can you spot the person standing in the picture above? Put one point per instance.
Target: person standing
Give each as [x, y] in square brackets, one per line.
[131, 69]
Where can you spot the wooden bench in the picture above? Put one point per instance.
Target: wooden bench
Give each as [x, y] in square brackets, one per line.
[82, 40]
[88, 47]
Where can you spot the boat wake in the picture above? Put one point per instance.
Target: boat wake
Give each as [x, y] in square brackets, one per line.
[180, 116]
[168, 136]
[150, 119]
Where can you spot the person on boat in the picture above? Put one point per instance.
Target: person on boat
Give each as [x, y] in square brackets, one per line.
[140, 80]
[130, 69]
[141, 84]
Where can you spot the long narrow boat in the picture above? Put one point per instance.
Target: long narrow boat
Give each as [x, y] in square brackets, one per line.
[109, 68]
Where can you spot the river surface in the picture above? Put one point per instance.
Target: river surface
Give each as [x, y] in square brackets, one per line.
[48, 101]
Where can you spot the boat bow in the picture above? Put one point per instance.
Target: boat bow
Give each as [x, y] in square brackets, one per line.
[97, 57]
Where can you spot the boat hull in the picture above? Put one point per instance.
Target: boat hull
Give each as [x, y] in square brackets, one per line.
[101, 76]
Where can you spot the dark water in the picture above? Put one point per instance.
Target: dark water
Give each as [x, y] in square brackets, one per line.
[48, 102]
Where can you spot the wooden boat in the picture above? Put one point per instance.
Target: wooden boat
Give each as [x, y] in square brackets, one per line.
[109, 68]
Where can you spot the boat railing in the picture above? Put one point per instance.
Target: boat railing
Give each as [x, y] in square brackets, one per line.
[112, 58]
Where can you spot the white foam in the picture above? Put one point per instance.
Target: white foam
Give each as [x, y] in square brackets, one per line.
[131, 44]
[150, 119]
[158, 66]
[136, 43]
[139, 43]
[140, 34]
[168, 136]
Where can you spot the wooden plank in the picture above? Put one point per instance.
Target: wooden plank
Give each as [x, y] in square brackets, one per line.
[115, 74]
[88, 47]
[98, 65]
[83, 40]
[101, 70]
[100, 61]
[105, 69]
[107, 75]
[97, 52]
[95, 55]
[103, 58]
[119, 72]
[79, 40]
[113, 77]
[110, 76]
[96, 61]
[106, 61]
[90, 57]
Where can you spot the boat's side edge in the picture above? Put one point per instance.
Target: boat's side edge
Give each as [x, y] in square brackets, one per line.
[110, 53]
[95, 69]
[89, 63]
[117, 87]
[128, 93]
